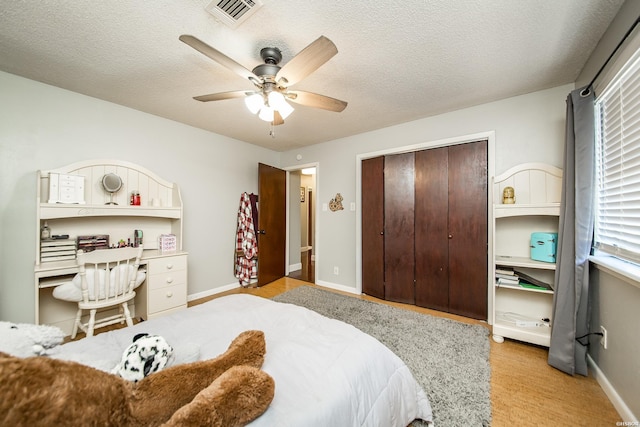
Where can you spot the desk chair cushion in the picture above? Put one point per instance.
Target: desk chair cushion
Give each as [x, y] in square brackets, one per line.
[72, 291]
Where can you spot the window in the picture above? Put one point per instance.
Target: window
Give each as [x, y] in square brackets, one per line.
[617, 116]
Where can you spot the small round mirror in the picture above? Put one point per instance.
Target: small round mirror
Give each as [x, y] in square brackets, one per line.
[111, 183]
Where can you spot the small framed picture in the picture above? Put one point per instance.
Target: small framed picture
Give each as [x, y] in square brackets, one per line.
[302, 193]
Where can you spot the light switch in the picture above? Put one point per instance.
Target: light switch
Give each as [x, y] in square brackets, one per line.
[324, 207]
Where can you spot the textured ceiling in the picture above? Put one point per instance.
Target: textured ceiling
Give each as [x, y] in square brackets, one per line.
[397, 61]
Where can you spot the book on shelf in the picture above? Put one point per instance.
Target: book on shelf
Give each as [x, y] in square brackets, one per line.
[504, 270]
[537, 283]
[511, 276]
[503, 281]
[536, 287]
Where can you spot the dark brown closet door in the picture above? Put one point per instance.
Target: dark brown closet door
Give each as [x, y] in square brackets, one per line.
[431, 228]
[272, 223]
[468, 229]
[373, 227]
[399, 191]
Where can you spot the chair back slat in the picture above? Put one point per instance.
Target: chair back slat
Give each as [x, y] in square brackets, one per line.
[101, 273]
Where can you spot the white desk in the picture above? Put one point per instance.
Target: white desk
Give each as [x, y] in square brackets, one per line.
[161, 212]
[163, 291]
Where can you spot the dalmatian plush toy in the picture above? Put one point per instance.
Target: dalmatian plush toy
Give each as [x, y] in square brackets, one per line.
[146, 355]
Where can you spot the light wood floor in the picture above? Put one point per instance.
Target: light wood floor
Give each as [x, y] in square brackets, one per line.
[525, 390]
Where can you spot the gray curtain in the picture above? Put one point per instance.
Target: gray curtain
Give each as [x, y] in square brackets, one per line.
[568, 352]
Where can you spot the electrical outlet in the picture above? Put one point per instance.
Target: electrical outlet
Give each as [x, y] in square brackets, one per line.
[336, 270]
[603, 338]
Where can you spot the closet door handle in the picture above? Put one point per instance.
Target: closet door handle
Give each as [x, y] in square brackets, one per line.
[262, 232]
[382, 233]
[450, 236]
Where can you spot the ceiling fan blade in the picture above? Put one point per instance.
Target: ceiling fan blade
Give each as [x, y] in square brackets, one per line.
[306, 62]
[218, 56]
[222, 96]
[277, 118]
[316, 101]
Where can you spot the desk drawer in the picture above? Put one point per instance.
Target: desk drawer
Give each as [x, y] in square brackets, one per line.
[164, 264]
[167, 298]
[171, 278]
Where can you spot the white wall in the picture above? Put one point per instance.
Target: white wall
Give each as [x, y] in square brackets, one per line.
[614, 305]
[44, 127]
[528, 128]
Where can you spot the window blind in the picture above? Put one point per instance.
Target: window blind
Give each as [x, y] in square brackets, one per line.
[617, 228]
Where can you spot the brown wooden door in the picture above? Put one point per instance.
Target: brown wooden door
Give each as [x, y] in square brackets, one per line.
[271, 223]
[398, 228]
[468, 229]
[431, 228]
[373, 227]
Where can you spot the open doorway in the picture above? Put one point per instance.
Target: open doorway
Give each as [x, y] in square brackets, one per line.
[302, 239]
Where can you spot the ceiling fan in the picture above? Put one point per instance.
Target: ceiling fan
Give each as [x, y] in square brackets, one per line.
[272, 81]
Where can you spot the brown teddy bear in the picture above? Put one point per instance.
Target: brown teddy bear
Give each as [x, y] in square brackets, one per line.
[229, 390]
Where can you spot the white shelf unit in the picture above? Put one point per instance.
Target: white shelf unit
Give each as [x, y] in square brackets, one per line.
[537, 209]
[160, 212]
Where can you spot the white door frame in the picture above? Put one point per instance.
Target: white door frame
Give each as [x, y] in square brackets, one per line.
[316, 214]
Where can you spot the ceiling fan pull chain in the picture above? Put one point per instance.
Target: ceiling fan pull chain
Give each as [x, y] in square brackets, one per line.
[272, 132]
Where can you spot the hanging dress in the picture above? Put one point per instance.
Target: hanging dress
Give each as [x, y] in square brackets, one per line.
[246, 268]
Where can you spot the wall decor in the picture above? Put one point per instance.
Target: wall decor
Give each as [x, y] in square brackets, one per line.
[336, 204]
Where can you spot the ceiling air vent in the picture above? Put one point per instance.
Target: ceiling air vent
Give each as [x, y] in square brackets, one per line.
[233, 12]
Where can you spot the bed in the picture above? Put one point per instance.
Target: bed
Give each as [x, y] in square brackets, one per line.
[327, 373]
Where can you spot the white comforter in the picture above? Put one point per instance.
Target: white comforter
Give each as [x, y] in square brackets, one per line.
[327, 372]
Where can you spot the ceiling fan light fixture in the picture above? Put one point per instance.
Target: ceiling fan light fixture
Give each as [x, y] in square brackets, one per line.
[278, 103]
[266, 114]
[254, 102]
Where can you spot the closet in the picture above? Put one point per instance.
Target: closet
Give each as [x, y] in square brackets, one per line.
[424, 228]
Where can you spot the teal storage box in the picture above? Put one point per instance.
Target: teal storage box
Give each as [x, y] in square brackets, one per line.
[543, 246]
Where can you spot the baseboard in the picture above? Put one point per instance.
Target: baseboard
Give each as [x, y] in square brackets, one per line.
[622, 408]
[337, 287]
[213, 291]
[235, 285]
[295, 267]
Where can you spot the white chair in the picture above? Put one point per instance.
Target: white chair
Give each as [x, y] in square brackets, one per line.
[108, 277]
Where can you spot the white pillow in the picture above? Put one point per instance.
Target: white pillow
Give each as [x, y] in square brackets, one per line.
[72, 291]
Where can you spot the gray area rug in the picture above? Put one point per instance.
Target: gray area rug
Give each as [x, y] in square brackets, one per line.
[449, 359]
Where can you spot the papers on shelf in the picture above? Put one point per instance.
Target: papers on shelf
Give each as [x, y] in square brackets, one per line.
[510, 276]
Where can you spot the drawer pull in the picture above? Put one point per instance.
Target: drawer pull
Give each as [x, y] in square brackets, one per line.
[169, 266]
[169, 279]
[169, 294]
